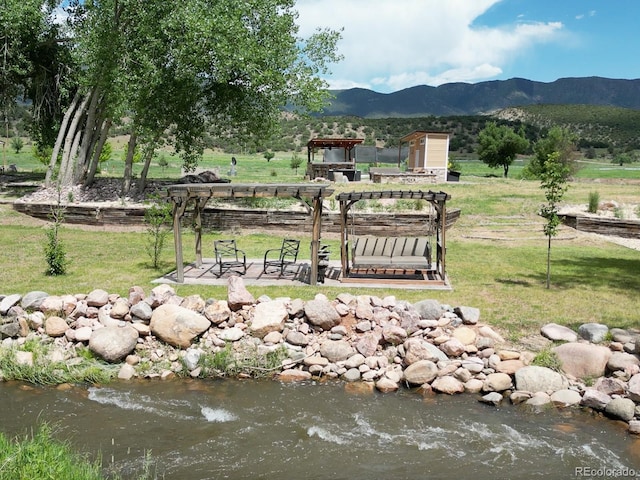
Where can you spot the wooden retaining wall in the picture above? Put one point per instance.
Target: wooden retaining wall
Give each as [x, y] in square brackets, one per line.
[604, 226]
[227, 219]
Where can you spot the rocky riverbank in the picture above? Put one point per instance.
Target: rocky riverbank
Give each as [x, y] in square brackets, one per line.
[382, 343]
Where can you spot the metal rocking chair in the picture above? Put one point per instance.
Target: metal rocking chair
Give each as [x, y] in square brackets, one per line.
[287, 255]
[228, 256]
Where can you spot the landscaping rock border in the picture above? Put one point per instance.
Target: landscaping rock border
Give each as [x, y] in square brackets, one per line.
[385, 343]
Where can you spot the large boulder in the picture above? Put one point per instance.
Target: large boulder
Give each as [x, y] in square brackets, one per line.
[176, 325]
[268, 317]
[539, 379]
[33, 300]
[593, 332]
[321, 313]
[429, 309]
[448, 384]
[622, 408]
[583, 360]
[113, 343]
[418, 349]
[237, 294]
[336, 350]
[422, 371]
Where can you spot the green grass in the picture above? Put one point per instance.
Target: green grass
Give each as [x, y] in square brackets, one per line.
[592, 280]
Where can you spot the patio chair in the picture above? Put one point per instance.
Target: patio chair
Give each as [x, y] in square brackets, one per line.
[228, 256]
[287, 255]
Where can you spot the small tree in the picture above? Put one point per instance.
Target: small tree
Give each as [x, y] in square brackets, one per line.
[157, 217]
[296, 161]
[17, 144]
[163, 163]
[554, 182]
[54, 250]
[499, 146]
[269, 155]
[558, 140]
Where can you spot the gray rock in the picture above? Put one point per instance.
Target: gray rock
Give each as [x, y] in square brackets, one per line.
[33, 300]
[141, 311]
[422, 371]
[354, 361]
[565, 398]
[368, 344]
[622, 361]
[237, 294]
[351, 375]
[126, 372]
[473, 364]
[177, 326]
[493, 398]
[621, 335]
[453, 347]
[622, 408]
[538, 401]
[556, 332]
[9, 301]
[97, 298]
[409, 320]
[429, 309]
[232, 334]
[418, 349]
[296, 308]
[394, 335]
[593, 332]
[610, 386]
[595, 399]
[268, 317]
[497, 382]
[113, 343]
[218, 312]
[9, 329]
[539, 379]
[633, 388]
[448, 385]
[469, 315]
[321, 313]
[191, 358]
[336, 351]
[583, 360]
[297, 338]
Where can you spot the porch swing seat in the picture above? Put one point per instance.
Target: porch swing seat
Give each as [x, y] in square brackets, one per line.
[391, 253]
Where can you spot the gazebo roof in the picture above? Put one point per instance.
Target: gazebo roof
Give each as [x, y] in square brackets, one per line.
[347, 143]
[411, 194]
[188, 191]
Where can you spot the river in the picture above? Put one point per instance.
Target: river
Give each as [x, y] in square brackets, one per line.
[248, 429]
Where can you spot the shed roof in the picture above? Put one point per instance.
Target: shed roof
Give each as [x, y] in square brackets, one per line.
[347, 143]
[421, 133]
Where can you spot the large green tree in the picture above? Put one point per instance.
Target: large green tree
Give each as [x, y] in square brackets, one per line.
[499, 145]
[183, 67]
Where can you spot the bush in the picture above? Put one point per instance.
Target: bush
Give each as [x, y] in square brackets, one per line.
[157, 217]
[594, 202]
[54, 250]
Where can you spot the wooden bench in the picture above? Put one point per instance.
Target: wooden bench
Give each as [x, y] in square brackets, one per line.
[392, 253]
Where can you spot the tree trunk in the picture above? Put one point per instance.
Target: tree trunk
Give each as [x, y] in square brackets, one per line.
[148, 156]
[128, 164]
[95, 160]
[61, 135]
[89, 139]
[71, 142]
[549, 264]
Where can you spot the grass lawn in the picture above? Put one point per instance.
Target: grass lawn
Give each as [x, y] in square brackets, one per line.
[496, 252]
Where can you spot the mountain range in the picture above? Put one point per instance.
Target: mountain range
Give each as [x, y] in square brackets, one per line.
[484, 97]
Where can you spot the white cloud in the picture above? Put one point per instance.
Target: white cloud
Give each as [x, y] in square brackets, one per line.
[393, 45]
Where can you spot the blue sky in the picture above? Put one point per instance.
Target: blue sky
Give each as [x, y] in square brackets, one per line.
[389, 45]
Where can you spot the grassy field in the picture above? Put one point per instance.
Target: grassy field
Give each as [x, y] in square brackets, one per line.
[496, 252]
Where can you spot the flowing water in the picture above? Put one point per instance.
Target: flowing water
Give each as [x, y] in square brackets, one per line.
[263, 429]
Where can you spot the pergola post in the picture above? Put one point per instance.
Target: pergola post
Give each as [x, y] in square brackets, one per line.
[344, 238]
[178, 210]
[315, 239]
[200, 203]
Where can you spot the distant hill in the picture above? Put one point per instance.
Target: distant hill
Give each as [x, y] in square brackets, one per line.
[484, 97]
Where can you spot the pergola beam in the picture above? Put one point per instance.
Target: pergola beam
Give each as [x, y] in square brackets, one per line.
[182, 195]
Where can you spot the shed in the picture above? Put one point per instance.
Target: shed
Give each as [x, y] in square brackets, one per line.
[428, 153]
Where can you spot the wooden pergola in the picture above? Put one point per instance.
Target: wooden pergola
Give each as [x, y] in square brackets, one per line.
[347, 143]
[183, 195]
[437, 199]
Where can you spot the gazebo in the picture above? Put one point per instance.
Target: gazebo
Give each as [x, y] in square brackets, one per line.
[325, 169]
[197, 195]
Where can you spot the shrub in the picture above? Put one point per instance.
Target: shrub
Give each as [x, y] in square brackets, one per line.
[157, 217]
[594, 202]
[54, 250]
[547, 358]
